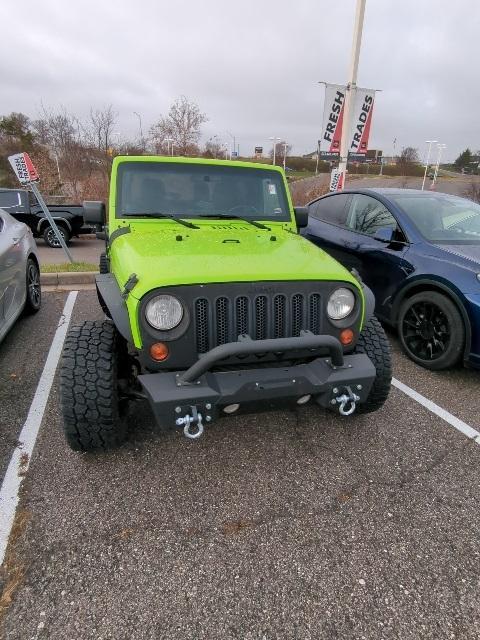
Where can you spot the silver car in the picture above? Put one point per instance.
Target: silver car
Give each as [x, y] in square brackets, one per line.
[19, 272]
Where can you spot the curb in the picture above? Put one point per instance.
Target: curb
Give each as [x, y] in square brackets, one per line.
[67, 278]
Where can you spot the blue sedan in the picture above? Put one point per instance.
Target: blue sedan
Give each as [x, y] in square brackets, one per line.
[419, 252]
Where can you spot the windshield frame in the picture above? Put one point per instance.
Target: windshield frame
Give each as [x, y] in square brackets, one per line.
[197, 166]
[467, 239]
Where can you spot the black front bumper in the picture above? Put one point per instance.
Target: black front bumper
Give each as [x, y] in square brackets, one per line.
[174, 394]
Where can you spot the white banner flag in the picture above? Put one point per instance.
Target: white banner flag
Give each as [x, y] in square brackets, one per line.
[332, 121]
[332, 125]
[361, 122]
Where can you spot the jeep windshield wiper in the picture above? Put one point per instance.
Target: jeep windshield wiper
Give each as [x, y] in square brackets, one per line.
[168, 216]
[228, 216]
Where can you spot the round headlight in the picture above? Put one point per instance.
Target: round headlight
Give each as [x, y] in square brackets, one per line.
[340, 304]
[164, 312]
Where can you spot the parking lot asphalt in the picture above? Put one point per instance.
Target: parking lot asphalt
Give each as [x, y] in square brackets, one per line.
[292, 525]
[85, 248]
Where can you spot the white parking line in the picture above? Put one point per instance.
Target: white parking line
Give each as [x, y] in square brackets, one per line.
[22, 453]
[458, 424]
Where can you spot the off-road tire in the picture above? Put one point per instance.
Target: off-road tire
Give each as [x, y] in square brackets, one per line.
[374, 343]
[93, 415]
[51, 239]
[33, 301]
[103, 266]
[453, 353]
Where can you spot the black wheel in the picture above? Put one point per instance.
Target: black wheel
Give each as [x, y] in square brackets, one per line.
[94, 413]
[103, 267]
[33, 301]
[375, 344]
[52, 240]
[431, 330]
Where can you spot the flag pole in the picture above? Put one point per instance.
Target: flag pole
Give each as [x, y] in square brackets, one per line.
[351, 89]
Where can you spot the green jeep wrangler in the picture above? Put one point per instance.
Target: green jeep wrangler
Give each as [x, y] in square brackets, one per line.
[214, 306]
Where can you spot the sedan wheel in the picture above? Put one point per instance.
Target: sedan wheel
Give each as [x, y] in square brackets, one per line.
[34, 291]
[431, 330]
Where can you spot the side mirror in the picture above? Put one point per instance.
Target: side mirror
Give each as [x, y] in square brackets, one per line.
[384, 234]
[94, 212]
[301, 216]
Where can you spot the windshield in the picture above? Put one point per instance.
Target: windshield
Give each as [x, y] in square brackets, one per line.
[196, 190]
[443, 219]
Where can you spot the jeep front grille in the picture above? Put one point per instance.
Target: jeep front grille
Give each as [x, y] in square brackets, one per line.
[279, 315]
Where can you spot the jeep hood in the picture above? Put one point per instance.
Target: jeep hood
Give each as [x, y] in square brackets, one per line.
[220, 253]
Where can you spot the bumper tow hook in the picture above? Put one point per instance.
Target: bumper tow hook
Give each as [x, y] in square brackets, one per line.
[192, 424]
[347, 402]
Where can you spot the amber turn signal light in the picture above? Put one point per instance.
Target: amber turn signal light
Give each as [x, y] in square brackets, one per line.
[346, 337]
[159, 351]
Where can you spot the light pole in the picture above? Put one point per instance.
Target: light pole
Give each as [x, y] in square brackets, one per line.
[284, 155]
[274, 138]
[142, 144]
[116, 134]
[440, 148]
[351, 90]
[168, 141]
[226, 147]
[57, 163]
[429, 142]
[234, 147]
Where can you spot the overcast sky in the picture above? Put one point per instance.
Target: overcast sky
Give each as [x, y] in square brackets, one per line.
[251, 65]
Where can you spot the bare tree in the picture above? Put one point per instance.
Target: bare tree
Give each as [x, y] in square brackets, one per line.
[57, 129]
[282, 149]
[181, 125]
[407, 159]
[214, 148]
[99, 132]
[62, 134]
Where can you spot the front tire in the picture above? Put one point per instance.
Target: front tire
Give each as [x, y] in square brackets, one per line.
[94, 415]
[52, 240]
[374, 343]
[431, 330]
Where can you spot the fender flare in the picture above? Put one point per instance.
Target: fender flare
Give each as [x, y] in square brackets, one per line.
[59, 218]
[110, 295]
[369, 304]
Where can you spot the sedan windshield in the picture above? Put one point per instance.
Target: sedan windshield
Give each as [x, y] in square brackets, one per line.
[191, 190]
[443, 219]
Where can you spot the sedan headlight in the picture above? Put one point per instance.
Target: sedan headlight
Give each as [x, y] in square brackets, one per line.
[164, 312]
[340, 304]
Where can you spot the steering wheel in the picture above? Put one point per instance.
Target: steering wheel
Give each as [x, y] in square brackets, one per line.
[249, 207]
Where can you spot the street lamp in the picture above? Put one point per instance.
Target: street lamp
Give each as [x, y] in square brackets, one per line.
[440, 148]
[234, 147]
[57, 163]
[168, 141]
[142, 140]
[429, 142]
[274, 138]
[284, 155]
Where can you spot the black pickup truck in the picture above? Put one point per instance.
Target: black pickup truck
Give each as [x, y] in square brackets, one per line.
[22, 205]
